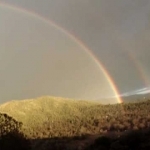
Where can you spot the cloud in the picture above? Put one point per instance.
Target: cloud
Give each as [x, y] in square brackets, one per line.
[144, 90]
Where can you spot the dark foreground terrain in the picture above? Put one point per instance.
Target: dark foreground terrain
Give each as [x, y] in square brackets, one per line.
[120, 127]
[131, 140]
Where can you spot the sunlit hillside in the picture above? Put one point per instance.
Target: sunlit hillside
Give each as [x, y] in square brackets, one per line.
[34, 113]
[82, 122]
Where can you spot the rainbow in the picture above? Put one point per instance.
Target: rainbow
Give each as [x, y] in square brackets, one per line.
[137, 64]
[74, 38]
[139, 67]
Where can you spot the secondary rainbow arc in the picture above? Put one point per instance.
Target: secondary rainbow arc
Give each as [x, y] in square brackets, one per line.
[132, 57]
[74, 38]
[139, 67]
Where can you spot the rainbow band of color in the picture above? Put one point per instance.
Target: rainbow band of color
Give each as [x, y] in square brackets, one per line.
[71, 36]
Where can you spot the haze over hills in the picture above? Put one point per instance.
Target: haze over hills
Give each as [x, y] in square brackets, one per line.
[136, 97]
[129, 97]
[126, 99]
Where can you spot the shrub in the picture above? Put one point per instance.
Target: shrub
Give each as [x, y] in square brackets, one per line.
[10, 136]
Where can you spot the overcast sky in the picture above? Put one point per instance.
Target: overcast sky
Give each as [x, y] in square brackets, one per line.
[117, 32]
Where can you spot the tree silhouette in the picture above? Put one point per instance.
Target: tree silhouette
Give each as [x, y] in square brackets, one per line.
[10, 136]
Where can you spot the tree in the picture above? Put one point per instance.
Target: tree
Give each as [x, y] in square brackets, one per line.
[8, 124]
[10, 136]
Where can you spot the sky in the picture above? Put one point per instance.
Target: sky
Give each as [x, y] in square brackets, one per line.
[116, 31]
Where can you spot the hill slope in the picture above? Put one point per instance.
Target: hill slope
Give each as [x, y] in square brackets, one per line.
[33, 113]
[46, 117]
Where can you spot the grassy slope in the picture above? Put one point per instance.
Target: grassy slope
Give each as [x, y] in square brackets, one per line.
[55, 107]
[52, 116]
[34, 112]
[46, 117]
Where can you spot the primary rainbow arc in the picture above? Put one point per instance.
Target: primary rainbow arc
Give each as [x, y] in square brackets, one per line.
[75, 39]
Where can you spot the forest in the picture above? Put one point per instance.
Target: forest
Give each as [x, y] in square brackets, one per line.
[105, 127]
